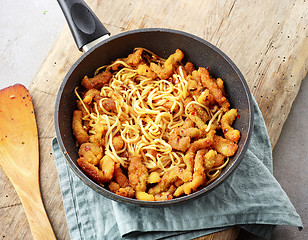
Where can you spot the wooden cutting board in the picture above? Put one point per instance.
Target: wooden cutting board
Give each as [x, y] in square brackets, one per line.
[268, 40]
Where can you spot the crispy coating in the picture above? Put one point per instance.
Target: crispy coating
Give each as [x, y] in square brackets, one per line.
[165, 71]
[226, 122]
[98, 137]
[128, 192]
[134, 58]
[193, 132]
[81, 107]
[97, 81]
[122, 191]
[189, 68]
[154, 177]
[198, 121]
[79, 132]
[109, 104]
[209, 160]
[219, 160]
[120, 177]
[91, 152]
[202, 143]
[113, 186]
[89, 95]
[144, 196]
[224, 146]
[206, 98]
[189, 161]
[220, 84]
[145, 70]
[199, 176]
[177, 142]
[209, 83]
[117, 142]
[164, 196]
[137, 174]
[106, 165]
[169, 178]
[100, 175]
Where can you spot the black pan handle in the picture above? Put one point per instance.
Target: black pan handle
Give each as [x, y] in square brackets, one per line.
[83, 23]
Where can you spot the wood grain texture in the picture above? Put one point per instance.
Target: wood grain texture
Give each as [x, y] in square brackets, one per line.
[267, 40]
[19, 156]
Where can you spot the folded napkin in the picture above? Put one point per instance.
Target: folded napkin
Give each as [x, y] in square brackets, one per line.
[250, 198]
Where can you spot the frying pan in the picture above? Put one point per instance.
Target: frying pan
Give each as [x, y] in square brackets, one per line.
[100, 49]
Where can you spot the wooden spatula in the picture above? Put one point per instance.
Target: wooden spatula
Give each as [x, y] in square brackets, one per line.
[19, 155]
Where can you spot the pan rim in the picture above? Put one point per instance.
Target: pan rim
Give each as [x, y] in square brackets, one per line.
[182, 199]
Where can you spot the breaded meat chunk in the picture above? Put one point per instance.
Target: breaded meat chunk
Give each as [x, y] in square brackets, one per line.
[224, 146]
[165, 71]
[211, 84]
[97, 81]
[226, 122]
[137, 174]
[79, 132]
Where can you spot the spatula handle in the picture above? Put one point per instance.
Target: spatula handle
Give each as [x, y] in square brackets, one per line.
[32, 202]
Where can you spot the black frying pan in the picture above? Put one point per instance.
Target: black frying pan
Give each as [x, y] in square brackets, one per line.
[86, 28]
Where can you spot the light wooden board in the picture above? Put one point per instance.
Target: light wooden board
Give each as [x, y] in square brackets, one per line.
[268, 40]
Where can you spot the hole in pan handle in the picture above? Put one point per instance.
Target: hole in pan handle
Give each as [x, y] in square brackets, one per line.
[85, 26]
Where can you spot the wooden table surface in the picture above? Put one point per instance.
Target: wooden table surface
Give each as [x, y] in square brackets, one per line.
[267, 40]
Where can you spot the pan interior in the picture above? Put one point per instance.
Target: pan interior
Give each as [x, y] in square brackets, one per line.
[163, 42]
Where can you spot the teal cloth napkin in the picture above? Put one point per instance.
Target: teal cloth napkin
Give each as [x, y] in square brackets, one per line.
[250, 198]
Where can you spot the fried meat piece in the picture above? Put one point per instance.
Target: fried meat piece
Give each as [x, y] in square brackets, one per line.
[220, 84]
[189, 161]
[219, 160]
[224, 146]
[85, 108]
[144, 196]
[122, 191]
[154, 177]
[209, 160]
[99, 131]
[97, 81]
[164, 196]
[79, 132]
[120, 177]
[169, 178]
[91, 152]
[206, 98]
[117, 142]
[199, 176]
[202, 143]
[101, 174]
[180, 138]
[226, 122]
[113, 186]
[198, 121]
[126, 192]
[109, 105]
[194, 147]
[134, 58]
[145, 70]
[209, 83]
[178, 142]
[137, 174]
[106, 165]
[189, 68]
[165, 71]
[89, 95]
[193, 133]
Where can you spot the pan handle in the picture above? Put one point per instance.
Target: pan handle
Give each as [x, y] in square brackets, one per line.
[86, 28]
